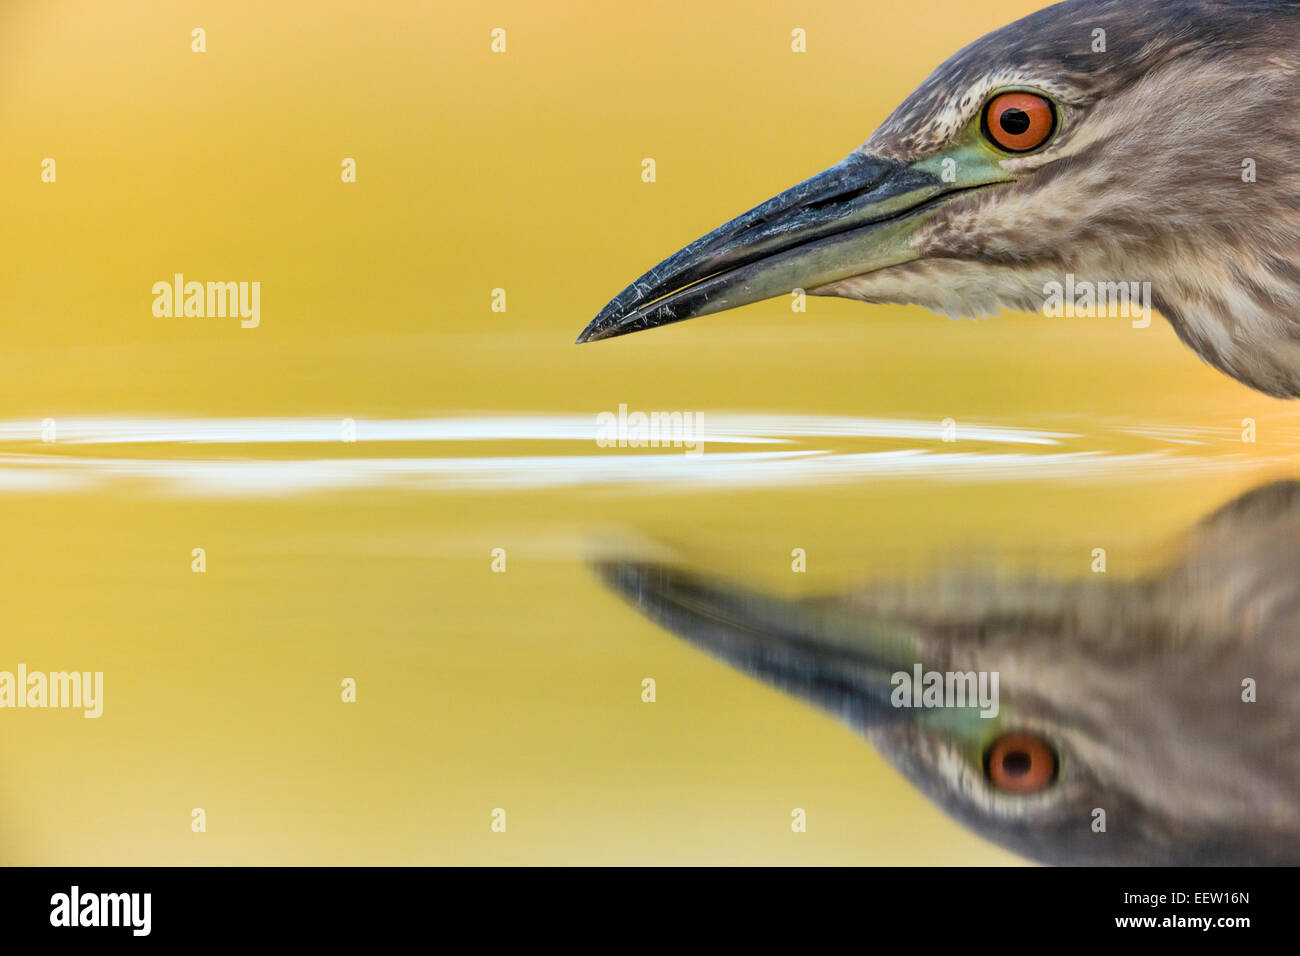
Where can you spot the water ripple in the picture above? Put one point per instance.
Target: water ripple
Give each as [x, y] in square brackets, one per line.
[272, 456]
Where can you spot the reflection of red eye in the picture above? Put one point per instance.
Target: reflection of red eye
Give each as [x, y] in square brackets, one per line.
[1021, 763]
[1019, 122]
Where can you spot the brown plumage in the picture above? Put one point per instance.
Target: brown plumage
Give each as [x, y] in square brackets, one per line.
[1175, 161]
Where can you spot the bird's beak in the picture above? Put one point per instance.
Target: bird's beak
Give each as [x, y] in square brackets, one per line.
[854, 218]
[841, 665]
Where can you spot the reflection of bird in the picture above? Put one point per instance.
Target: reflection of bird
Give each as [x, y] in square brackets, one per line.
[1125, 697]
[1118, 141]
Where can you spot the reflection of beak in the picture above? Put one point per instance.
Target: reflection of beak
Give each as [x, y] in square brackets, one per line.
[805, 650]
[854, 218]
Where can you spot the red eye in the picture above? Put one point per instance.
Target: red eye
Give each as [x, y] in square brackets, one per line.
[1019, 122]
[1021, 763]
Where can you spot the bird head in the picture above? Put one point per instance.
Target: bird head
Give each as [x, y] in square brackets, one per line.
[1151, 141]
[1024, 776]
[1123, 697]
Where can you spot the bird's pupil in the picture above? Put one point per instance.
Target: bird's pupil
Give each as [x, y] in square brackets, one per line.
[1016, 763]
[1014, 121]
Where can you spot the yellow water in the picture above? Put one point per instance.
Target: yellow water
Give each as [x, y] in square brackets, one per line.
[372, 559]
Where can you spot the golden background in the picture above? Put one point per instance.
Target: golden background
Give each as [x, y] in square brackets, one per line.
[478, 170]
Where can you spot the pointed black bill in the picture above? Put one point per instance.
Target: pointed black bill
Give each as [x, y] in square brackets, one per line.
[851, 219]
[841, 665]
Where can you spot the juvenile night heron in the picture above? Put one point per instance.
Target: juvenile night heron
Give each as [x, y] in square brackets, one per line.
[1112, 140]
[1123, 696]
